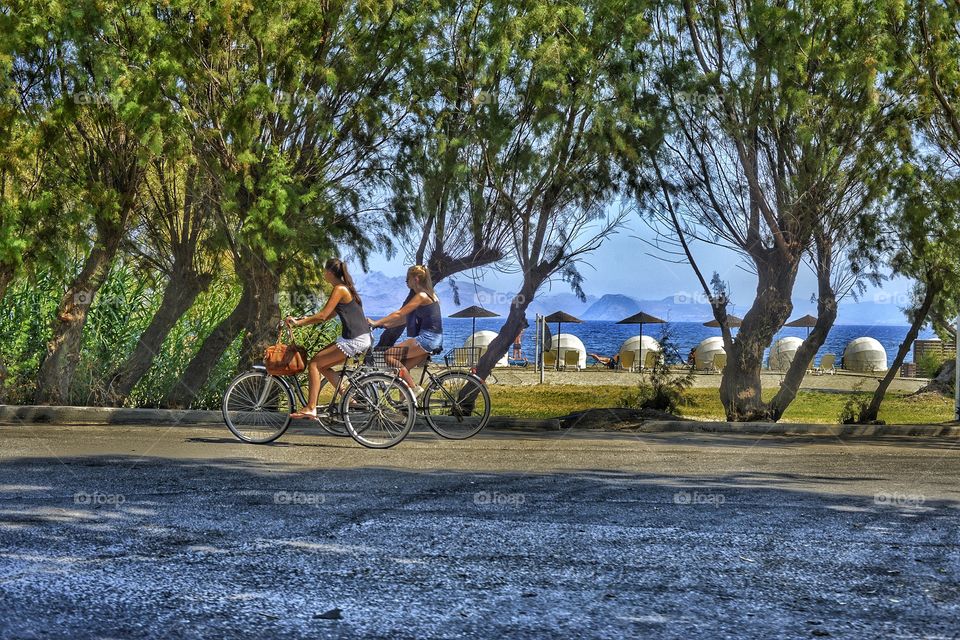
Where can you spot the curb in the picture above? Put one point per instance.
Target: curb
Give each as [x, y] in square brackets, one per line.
[10, 414]
[22, 415]
[53, 415]
[800, 429]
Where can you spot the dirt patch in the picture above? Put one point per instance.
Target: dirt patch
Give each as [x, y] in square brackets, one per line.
[928, 394]
[613, 419]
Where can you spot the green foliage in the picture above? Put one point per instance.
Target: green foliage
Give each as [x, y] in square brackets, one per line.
[305, 104]
[854, 406]
[929, 365]
[120, 313]
[666, 387]
[182, 344]
[25, 314]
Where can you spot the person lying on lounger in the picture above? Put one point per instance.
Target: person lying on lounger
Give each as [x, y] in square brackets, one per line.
[609, 363]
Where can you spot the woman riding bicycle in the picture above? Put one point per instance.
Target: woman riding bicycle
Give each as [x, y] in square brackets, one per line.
[421, 314]
[354, 339]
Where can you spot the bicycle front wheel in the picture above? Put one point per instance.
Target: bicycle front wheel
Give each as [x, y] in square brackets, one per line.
[256, 407]
[378, 411]
[456, 405]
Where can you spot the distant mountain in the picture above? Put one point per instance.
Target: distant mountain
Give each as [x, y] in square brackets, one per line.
[868, 313]
[469, 293]
[612, 307]
[383, 294]
[547, 303]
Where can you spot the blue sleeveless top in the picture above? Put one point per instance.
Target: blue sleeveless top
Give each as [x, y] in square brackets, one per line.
[425, 318]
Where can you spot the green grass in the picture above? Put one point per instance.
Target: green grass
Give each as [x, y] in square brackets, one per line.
[548, 401]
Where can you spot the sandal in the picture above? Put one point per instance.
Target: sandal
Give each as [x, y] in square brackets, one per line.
[304, 415]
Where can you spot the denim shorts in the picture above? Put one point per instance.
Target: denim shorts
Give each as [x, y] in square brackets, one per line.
[430, 341]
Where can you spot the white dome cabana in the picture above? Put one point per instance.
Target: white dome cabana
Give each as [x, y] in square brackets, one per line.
[865, 355]
[706, 351]
[643, 344]
[569, 342]
[482, 340]
[783, 352]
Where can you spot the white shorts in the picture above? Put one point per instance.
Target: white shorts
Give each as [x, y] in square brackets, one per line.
[354, 346]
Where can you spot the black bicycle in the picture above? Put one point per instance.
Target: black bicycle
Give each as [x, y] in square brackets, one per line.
[372, 405]
[455, 402]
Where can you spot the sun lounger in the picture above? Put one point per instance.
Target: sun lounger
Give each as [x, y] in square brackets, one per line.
[627, 360]
[549, 359]
[827, 364]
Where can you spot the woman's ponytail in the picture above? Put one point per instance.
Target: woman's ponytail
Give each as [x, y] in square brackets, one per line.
[339, 268]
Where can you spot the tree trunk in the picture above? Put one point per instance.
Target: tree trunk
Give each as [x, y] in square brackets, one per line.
[63, 351]
[508, 332]
[6, 277]
[256, 315]
[390, 336]
[740, 388]
[870, 413]
[181, 292]
[188, 386]
[826, 316]
[260, 328]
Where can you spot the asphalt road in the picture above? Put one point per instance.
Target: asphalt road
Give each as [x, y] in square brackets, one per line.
[143, 532]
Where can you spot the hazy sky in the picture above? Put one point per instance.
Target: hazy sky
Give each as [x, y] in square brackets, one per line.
[624, 265]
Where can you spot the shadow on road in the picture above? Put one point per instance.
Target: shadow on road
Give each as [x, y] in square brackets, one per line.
[248, 548]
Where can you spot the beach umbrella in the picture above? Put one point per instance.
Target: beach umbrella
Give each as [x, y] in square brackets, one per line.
[732, 321]
[805, 321]
[642, 319]
[474, 312]
[560, 317]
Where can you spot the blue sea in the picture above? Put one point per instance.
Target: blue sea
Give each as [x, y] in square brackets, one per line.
[605, 338]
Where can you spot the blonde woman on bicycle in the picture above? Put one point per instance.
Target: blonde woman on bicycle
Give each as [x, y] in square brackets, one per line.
[421, 314]
[354, 339]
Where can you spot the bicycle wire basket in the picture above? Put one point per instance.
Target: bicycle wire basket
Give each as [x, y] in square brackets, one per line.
[377, 358]
[463, 357]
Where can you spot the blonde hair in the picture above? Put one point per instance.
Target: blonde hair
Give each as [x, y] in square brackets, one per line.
[422, 274]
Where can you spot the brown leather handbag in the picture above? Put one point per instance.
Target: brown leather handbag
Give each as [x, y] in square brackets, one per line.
[285, 359]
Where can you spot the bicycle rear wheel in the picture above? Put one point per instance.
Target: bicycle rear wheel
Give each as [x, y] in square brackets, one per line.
[378, 410]
[456, 405]
[256, 407]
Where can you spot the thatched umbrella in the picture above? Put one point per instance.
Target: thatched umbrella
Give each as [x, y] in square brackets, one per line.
[474, 312]
[642, 319]
[732, 321]
[805, 321]
[560, 317]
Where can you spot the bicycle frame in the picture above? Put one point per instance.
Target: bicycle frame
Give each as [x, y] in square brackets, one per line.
[351, 373]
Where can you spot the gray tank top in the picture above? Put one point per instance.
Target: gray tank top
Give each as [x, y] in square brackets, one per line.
[353, 319]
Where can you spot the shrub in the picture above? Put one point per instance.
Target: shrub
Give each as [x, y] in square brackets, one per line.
[857, 402]
[929, 365]
[666, 388]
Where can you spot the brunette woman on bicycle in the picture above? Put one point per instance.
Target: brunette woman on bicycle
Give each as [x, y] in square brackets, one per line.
[354, 339]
